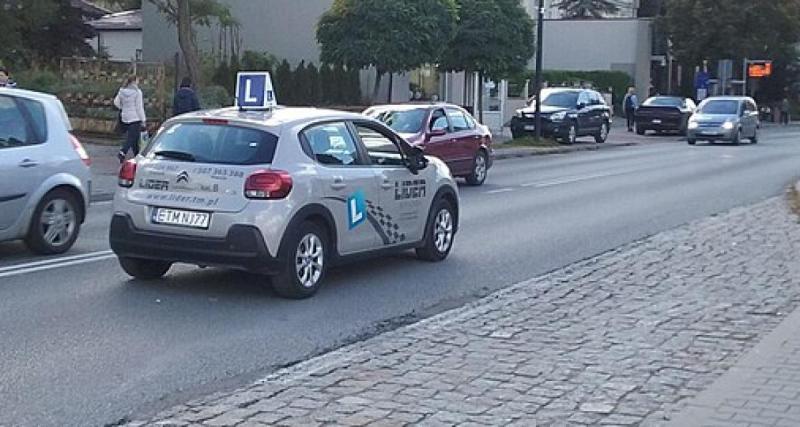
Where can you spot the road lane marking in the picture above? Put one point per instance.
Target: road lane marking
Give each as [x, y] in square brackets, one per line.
[38, 266]
[500, 190]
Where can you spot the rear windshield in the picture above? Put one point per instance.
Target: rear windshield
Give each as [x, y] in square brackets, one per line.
[403, 121]
[720, 107]
[207, 143]
[663, 102]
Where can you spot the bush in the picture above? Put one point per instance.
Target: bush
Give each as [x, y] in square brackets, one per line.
[214, 97]
[39, 80]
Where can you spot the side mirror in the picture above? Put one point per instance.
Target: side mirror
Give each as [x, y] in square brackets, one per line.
[581, 106]
[437, 132]
[415, 160]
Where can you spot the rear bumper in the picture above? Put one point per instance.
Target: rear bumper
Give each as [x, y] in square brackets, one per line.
[242, 248]
[666, 124]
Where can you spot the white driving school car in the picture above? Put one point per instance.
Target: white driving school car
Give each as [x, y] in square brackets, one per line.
[287, 192]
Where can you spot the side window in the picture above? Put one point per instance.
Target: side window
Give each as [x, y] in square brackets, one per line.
[595, 99]
[13, 129]
[583, 98]
[470, 121]
[332, 144]
[439, 121]
[381, 149]
[458, 120]
[38, 118]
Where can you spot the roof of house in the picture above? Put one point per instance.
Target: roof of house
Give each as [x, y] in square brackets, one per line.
[130, 20]
[90, 9]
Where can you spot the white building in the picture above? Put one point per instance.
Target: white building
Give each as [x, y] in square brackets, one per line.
[119, 35]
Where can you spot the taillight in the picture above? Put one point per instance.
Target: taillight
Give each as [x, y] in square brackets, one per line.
[78, 147]
[127, 174]
[268, 184]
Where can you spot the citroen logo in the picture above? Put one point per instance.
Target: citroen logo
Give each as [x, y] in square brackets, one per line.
[183, 177]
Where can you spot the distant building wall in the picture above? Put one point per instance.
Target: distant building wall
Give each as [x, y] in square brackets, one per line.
[120, 45]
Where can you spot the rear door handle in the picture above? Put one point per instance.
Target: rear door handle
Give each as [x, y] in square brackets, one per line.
[28, 163]
[386, 184]
[338, 183]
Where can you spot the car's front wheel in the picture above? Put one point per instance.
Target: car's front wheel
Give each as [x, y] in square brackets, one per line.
[144, 269]
[754, 139]
[55, 225]
[480, 168]
[306, 262]
[439, 233]
[602, 135]
[572, 134]
[737, 138]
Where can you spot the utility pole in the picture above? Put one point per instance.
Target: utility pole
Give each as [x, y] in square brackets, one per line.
[539, 46]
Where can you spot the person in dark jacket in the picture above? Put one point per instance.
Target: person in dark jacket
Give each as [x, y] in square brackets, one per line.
[185, 100]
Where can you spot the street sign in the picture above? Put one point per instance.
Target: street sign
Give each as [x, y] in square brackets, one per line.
[759, 69]
[254, 91]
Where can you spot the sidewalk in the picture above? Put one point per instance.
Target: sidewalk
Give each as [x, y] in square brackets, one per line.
[626, 338]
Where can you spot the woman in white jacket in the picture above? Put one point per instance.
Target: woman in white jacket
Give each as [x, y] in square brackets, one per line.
[130, 101]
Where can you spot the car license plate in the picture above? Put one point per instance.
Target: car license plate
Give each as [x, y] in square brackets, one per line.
[530, 127]
[181, 218]
[656, 121]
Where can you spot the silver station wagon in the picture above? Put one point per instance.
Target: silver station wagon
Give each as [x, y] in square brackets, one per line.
[288, 192]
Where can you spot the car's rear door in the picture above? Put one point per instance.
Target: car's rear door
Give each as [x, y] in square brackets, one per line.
[585, 114]
[23, 157]
[346, 182]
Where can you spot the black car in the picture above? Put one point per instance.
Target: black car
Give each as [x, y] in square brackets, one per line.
[567, 114]
[664, 114]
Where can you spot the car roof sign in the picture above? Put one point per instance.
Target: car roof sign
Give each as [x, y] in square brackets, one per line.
[254, 91]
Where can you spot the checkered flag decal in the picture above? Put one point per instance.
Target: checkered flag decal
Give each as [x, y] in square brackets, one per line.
[390, 228]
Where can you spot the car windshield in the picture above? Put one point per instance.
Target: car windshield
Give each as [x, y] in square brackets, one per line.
[220, 144]
[565, 99]
[720, 107]
[403, 121]
[663, 101]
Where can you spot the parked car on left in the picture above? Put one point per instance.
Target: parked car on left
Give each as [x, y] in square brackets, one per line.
[45, 179]
[567, 114]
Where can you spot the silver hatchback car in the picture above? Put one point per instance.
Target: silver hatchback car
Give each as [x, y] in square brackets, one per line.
[288, 193]
[724, 118]
[44, 173]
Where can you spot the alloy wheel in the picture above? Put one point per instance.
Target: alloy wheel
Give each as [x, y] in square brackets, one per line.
[309, 260]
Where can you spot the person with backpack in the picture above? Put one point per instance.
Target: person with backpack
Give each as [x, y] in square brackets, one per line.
[185, 100]
[630, 104]
[130, 101]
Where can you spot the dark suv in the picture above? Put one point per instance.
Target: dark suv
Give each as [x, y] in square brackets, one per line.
[567, 114]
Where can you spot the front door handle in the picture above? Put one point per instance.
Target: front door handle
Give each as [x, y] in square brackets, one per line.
[338, 183]
[28, 163]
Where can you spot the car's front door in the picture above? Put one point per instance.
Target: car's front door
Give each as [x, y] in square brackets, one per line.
[21, 160]
[346, 183]
[403, 209]
[440, 140]
[751, 118]
[467, 141]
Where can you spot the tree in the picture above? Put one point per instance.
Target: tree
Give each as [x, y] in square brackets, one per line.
[184, 14]
[326, 77]
[283, 83]
[299, 85]
[582, 9]
[390, 35]
[494, 38]
[314, 85]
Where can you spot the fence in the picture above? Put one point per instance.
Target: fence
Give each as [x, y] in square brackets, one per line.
[90, 85]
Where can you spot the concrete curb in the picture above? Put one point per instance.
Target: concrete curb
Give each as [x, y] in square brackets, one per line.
[517, 152]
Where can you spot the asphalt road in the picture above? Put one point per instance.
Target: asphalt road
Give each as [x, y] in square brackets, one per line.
[83, 345]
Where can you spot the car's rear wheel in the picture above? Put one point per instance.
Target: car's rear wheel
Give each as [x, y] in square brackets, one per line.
[144, 269]
[439, 233]
[640, 130]
[55, 224]
[691, 141]
[306, 262]
[479, 169]
[602, 135]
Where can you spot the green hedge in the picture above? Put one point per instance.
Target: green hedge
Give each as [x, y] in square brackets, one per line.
[601, 80]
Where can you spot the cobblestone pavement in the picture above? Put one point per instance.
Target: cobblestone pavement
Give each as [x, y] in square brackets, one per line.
[625, 338]
[762, 389]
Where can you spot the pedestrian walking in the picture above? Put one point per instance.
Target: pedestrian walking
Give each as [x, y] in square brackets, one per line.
[5, 79]
[130, 101]
[185, 100]
[630, 103]
[785, 107]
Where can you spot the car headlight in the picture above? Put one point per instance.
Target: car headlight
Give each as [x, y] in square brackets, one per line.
[693, 125]
[557, 117]
[727, 125]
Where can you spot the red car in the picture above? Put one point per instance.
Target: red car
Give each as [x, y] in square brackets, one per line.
[445, 131]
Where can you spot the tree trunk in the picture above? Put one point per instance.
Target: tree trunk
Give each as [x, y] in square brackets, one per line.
[391, 87]
[186, 41]
[480, 96]
[376, 90]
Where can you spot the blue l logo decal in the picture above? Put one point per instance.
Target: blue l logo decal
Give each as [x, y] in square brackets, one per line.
[356, 209]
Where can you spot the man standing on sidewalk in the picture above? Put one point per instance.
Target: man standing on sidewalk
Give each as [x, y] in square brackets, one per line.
[630, 104]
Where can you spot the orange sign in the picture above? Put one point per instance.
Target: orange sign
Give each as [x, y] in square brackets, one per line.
[758, 70]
